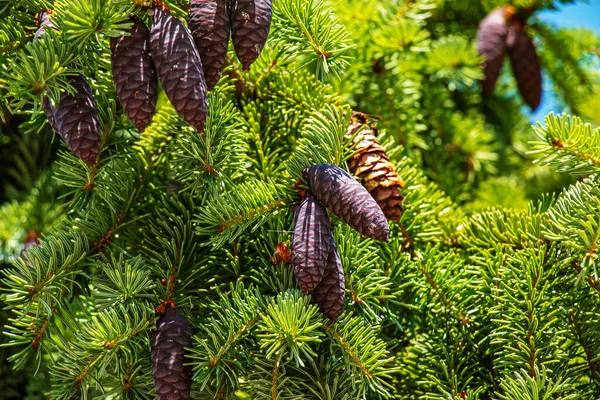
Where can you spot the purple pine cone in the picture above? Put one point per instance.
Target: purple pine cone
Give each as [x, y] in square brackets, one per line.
[250, 24]
[330, 292]
[310, 243]
[78, 121]
[491, 43]
[179, 67]
[525, 65]
[134, 75]
[172, 379]
[209, 23]
[348, 199]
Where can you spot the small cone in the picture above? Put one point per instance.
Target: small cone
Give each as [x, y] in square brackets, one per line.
[373, 169]
[209, 23]
[179, 67]
[172, 379]
[348, 199]
[330, 292]
[78, 121]
[310, 243]
[134, 75]
[250, 24]
[525, 65]
[491, 43]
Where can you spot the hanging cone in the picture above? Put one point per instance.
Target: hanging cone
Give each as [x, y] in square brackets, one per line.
[250, 24]
[525, 65]
[348, 199]
[78, 121]
[134, 75]
[209, 23]
[329, 293]
[310, 243]
[172, 379]
[179, 67]
[373, 169]
[491, 43]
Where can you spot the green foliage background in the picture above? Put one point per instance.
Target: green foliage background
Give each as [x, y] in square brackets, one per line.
[489, 287]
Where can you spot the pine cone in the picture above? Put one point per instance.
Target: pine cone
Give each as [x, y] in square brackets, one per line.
[172, 379]
[78, 121]
[250, 24]
[310, 243]
[525, 65]
[179, 67]
[373, 169]
[348, 199]
[329, 293]
[134, 75]
[209, 23]
[491, 43]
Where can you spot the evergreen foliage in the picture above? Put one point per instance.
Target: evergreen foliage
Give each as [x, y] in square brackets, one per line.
[488, 288]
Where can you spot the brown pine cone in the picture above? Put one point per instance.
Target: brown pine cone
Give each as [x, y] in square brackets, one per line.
[525, 65]
[179, 67]
[250, 24]
[373, 169]
[172, 379]
[330, 292]
[78, 121]
[134, 75]
[348, 199]
[209, 23]
[491, 43]
[310, 243]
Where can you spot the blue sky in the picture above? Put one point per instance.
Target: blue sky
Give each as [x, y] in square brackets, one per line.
[582, 15]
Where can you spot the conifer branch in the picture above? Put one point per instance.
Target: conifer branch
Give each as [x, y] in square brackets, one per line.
[569, 144]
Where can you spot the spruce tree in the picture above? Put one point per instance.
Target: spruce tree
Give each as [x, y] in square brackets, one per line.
[172, 237]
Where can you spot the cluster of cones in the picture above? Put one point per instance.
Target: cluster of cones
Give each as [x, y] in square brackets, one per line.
[502, 32]
[315, 258]
[186, 62]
